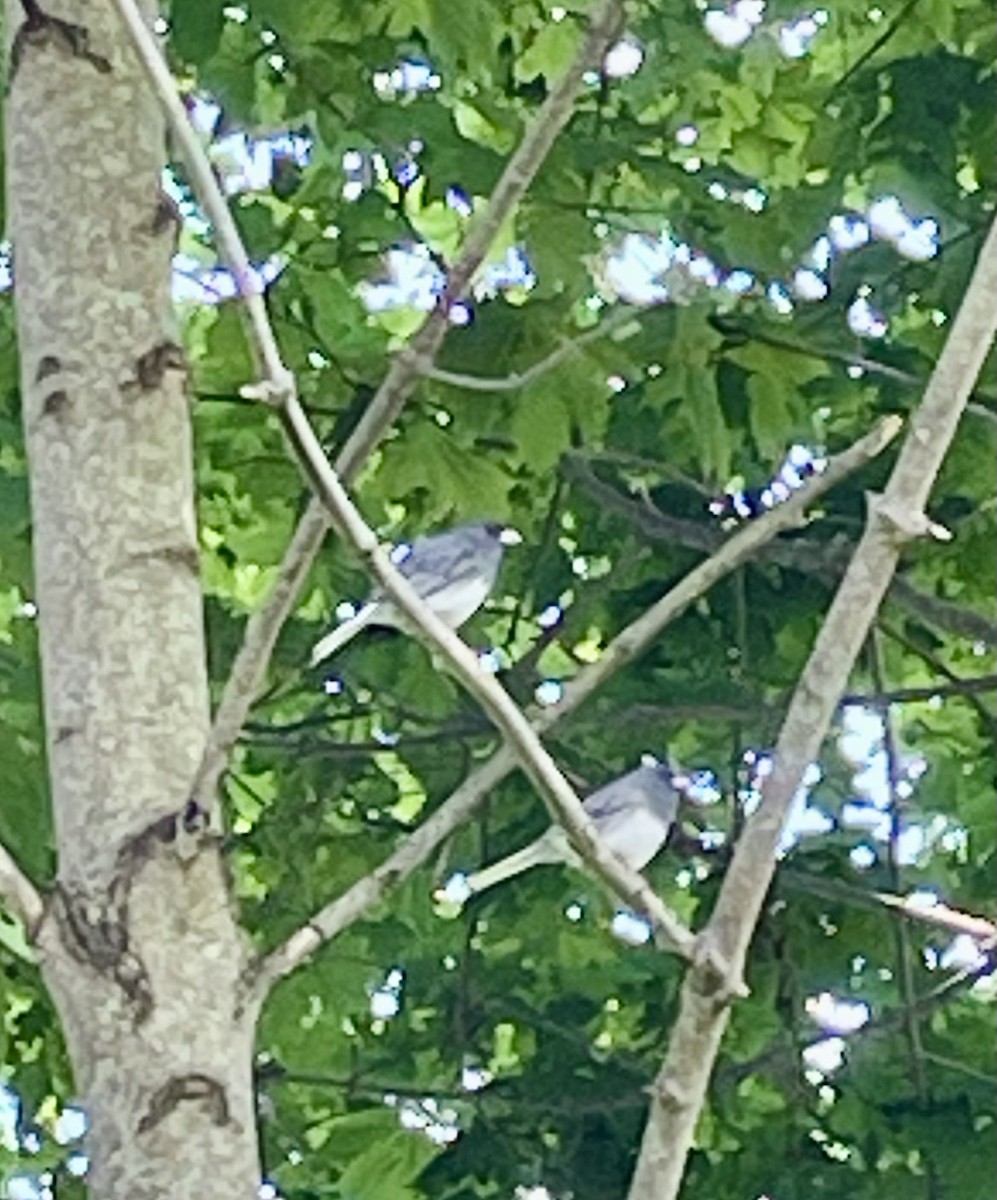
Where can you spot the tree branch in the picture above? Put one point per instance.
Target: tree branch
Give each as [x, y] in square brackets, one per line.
[957, 684]
[939, 916]
[19, 893]
[901, 933]
[205, 185]
[910, 695]
[264, 625]
[366, 893]
[894, 517]
[944, 614]
[520, 379]
[870, 366]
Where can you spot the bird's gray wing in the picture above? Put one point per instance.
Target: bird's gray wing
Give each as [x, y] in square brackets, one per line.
[614, 797]
[446, 560]
[634, 813]
[649, 786]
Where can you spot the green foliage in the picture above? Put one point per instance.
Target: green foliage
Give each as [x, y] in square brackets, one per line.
[706, 395]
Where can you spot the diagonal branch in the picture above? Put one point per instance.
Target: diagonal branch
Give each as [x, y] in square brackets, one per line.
[364, 895]
[901, 933]
[896, 516]
[954, 920]
[19, 893]
[520, 379]
[202, 178]
[265, 624]
[912, 906]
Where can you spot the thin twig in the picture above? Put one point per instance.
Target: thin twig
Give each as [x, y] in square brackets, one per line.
[873, 48]
[944, 614]
[364, 895]
[845, 358]
[894, 518]
[521, 379]
[957, 684]
[901, 934]
[912, 695]
[938, 916]
[961, 1068]
[981, 410]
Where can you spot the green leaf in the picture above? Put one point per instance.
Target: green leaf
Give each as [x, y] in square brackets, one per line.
[541, 426]
[550, 53]
[197, 28]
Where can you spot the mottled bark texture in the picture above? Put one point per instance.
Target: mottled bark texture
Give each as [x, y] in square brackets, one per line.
[139, 943]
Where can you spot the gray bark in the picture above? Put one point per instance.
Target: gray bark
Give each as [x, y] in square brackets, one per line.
[139, 943]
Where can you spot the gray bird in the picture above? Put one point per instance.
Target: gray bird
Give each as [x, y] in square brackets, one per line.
[452, 571]
[632, 815]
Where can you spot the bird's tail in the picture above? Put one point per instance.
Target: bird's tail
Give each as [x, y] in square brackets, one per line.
[541, 851]
[342, 634]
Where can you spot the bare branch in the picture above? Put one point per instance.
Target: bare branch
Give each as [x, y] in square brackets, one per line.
[910, 695]
[368, 892]
[521, 379]
[901, 933]
[870, 366]
[941, 916]
[981, 410]
[530, 753]
[944, 614]
[894, 517]
[19, 893]
[264, 625]
[956, 684]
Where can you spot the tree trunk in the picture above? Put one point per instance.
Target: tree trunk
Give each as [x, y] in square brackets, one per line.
[139, 944]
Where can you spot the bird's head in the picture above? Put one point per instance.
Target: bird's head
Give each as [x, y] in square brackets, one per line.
[502, 533]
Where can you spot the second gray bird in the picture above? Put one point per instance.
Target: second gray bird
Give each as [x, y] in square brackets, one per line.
[632, 815]
[454, 572]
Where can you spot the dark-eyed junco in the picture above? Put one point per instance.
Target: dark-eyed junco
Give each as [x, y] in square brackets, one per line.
[453, 572]
[632, 814]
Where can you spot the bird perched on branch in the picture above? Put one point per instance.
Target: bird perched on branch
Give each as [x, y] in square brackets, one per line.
[632, 814]
[454, 572]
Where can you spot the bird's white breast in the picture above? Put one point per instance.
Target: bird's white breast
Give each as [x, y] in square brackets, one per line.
[636, 836]
[458, 602]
